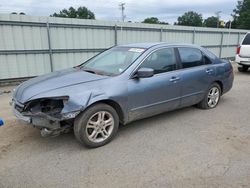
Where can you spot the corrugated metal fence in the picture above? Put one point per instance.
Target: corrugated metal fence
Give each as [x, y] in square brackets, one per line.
[30, 46]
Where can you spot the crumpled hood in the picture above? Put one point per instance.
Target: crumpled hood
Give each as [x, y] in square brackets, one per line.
[53, 81]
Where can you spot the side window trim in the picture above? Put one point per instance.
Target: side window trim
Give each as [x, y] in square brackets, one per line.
[178, 58]
[204, 56]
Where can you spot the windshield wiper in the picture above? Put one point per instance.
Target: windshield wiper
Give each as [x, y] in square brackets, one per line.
[90, 71]
[96, 72]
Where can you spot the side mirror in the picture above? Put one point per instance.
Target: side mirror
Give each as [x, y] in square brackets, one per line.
[144, 73]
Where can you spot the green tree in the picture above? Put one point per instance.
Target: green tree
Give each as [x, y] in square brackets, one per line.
[190, 19]
[153, 20]
[211, 22]
[81, 13]
[241, 15]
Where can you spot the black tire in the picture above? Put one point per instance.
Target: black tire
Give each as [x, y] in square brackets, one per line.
[204, 103]
[243, 68]
[83, 118]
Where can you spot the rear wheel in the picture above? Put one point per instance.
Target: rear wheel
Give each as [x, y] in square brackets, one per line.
[211, 98]
[96, 126]
[243, 68]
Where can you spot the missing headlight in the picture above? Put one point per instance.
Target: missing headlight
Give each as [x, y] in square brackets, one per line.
[51, 106]
[48, 106]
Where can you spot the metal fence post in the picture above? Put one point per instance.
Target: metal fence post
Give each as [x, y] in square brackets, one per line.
[161, 31]
[115, 35]
[238, 38]
[221, 43]
[50, 50]
[193, 39]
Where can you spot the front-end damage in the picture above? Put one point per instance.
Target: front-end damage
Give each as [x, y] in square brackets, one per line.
[52, 115]
[50, 108]
[51, 102]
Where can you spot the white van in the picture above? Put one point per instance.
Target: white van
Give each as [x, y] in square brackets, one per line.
[243, 54]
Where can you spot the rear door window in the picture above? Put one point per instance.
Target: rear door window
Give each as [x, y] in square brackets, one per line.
[246, 40]
[190, 57]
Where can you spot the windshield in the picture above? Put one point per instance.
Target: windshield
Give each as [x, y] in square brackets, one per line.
[113, 61]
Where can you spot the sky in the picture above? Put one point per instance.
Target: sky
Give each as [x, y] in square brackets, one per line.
[135, 10]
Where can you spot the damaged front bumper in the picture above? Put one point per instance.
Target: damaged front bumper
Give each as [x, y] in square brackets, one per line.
[47, 124]
[19, 115]
[38, 122]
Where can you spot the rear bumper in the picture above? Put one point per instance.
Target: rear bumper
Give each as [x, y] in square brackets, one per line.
[242, 61]
[228, 81]
[228, 86]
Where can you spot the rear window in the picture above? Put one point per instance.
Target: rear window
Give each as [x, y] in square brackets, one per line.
[246, 40]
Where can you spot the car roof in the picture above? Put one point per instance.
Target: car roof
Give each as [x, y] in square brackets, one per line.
[155, 44]
[164, 44]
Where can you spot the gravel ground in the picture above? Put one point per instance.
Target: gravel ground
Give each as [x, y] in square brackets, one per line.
[184, 148]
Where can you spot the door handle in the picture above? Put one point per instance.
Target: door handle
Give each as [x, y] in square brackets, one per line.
[209, 71]
[174, 79]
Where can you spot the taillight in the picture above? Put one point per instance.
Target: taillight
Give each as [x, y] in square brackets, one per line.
[238, 50]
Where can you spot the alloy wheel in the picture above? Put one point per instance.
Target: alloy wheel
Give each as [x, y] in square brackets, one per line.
[213, 97]
[99, 126]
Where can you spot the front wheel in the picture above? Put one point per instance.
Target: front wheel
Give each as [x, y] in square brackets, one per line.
[211, 98]
[96, 126]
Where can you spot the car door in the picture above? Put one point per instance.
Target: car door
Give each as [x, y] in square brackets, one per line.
[150, 96]
[197, 74]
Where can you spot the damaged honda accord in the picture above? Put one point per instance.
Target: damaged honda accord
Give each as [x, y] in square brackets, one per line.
[120, 85]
